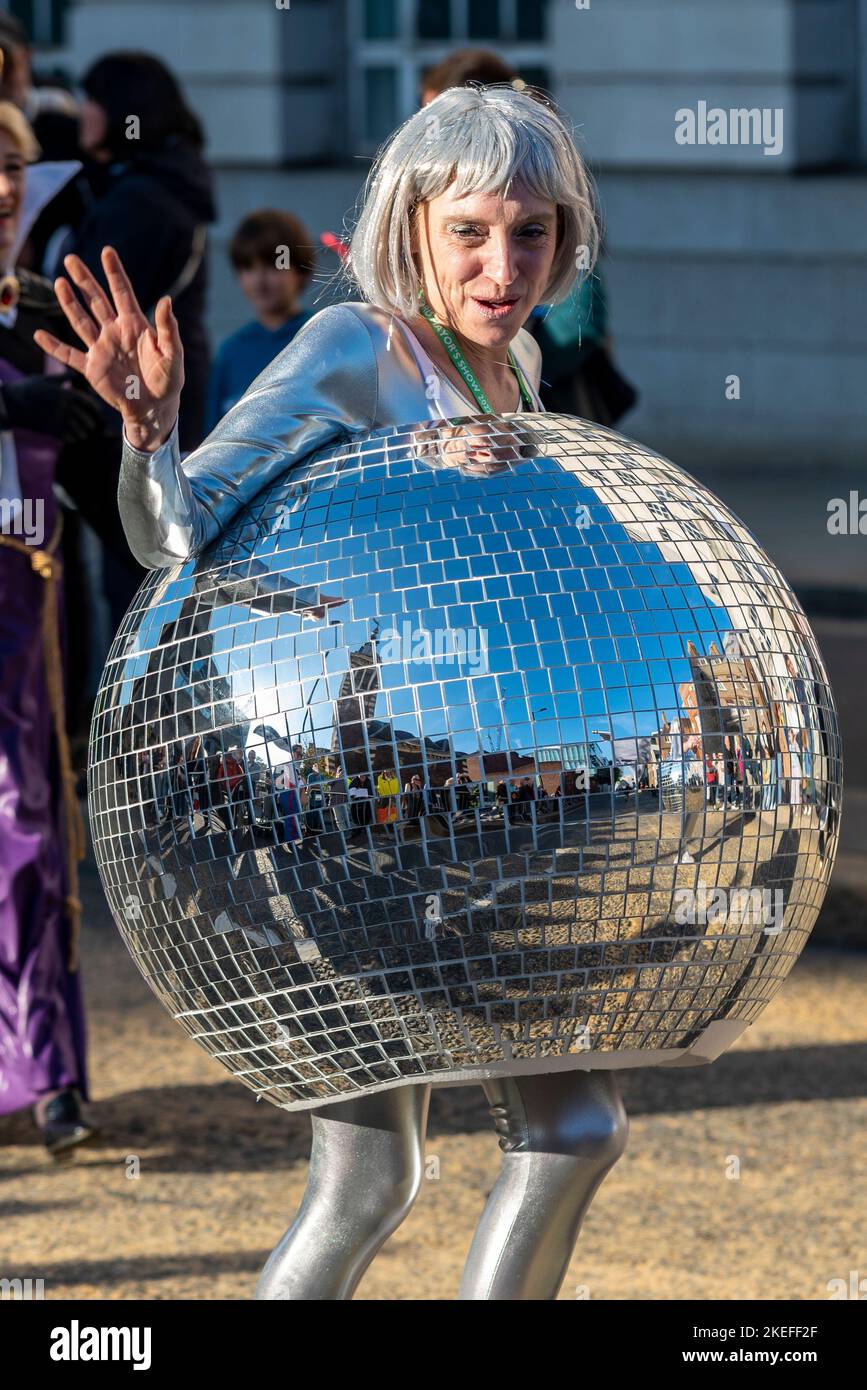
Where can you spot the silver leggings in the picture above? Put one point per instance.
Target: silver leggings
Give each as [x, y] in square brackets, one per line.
[560, 1134]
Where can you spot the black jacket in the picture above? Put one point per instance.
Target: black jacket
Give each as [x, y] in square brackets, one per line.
[57, 133]
[148, 211]
[37, 308]
[88, 470]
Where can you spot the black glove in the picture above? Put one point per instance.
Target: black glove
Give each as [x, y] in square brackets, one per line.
[46, 405]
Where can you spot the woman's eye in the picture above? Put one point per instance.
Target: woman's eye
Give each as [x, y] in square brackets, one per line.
[533, 233]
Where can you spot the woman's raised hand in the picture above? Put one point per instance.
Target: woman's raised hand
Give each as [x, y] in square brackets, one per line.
[136, 368]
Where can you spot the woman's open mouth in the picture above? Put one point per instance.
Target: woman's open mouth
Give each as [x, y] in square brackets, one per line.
[497, 308]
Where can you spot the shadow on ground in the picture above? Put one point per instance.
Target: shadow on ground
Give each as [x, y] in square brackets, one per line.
[189, 1128]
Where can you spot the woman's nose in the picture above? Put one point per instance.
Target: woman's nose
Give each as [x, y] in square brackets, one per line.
[7, 187]
[500, 265]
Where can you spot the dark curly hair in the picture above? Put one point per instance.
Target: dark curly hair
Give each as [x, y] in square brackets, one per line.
[128, 82]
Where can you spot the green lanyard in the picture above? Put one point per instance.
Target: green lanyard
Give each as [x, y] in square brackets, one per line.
[463, 366]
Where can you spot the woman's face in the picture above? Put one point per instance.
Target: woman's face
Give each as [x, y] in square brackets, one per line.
[485, 260]
[13, 180]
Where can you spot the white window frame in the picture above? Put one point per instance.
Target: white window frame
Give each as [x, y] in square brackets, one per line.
[407, 55]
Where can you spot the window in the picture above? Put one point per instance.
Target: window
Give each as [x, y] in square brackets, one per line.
[484, 19]
[530, 20]
[44, 20]
[380, 19]
[380, 85]
[396, 41]
[433, 19]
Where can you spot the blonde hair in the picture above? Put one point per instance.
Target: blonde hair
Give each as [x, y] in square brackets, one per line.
[481, 140]
[15, 124]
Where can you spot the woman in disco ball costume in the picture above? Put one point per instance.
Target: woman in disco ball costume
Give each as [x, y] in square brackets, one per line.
[396, 418]
[475, 212]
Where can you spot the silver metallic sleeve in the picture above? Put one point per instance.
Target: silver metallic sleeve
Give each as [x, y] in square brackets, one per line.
[321, 387]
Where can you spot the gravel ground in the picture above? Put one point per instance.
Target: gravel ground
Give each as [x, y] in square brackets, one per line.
[219, 1176]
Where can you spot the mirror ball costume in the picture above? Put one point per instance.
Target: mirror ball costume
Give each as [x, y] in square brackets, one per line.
[295, 963]
[351, 369]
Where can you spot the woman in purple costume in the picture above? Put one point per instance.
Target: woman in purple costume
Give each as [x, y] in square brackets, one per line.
[42, 1044]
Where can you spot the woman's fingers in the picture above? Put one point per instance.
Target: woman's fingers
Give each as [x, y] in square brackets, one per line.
[119, 283]
[77, 315]
[61, 352]
[91, 288]
[168, 334]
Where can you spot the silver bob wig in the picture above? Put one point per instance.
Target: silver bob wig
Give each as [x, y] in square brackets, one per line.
[481, 139]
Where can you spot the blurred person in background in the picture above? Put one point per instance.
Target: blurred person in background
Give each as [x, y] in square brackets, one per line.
[156, 204]
[579, 376]
[414, 800]
[274, 259]
[288, 802]
[153, 201]
[197, 774]
[53, 115]
[42, 1031]
[387, 792]
[316, 784]
[338, 800]
[463, 66]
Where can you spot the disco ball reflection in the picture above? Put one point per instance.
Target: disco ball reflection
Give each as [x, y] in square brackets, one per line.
[478, 747]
